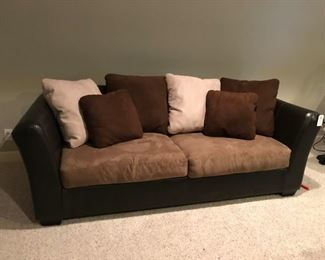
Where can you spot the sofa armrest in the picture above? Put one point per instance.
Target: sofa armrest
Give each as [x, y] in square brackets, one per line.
[38, 138]
[297, 128]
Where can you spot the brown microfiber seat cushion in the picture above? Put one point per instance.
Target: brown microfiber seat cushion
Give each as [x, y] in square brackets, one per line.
[267, 91]
[149, 94]
[110, 118]
[153, 157]
[230, 114]
[213, 156]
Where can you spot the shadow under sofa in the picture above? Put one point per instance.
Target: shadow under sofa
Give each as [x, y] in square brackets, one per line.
[41, 145]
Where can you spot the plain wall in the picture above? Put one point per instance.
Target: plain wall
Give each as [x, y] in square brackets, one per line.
[239, 39]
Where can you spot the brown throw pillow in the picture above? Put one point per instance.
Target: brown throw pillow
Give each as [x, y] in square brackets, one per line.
[110, 118]
[230, 114]
[267, 91]
[149, 94]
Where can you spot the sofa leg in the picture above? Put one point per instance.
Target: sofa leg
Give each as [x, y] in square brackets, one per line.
[50, 222]
[288, 193]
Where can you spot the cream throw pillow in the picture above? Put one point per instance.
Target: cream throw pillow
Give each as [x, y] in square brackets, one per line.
[63, 98]
[186, 99]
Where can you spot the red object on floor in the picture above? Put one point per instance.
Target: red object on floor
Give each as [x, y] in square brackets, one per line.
[305, 187]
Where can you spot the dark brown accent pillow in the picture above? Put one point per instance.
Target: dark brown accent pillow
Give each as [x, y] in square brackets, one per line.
[230, 114]
[149, 94]
[267, 91]
[110, 118]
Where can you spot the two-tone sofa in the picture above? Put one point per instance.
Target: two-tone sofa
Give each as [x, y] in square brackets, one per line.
[159, 170]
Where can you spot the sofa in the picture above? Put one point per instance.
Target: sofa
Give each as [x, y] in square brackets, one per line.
[72, 183]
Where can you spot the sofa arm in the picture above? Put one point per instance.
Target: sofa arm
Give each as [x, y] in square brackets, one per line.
[297, 128]
[38, 138]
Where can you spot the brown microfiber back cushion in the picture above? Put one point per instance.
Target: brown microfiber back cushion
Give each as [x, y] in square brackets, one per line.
[230, 114]
[267, 91]
[149, 94]
[110, 118]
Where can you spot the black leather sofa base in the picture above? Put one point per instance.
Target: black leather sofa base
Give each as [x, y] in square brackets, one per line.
[39, 140]
[114, 198]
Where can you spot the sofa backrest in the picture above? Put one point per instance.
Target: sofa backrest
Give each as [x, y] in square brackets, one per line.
[102, 88]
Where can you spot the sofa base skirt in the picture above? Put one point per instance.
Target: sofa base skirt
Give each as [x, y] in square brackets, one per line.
[115, 198]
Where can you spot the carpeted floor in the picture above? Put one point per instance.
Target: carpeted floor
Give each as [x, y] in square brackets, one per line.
[268, 227]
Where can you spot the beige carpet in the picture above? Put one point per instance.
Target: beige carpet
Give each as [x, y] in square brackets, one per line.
[269, 227]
